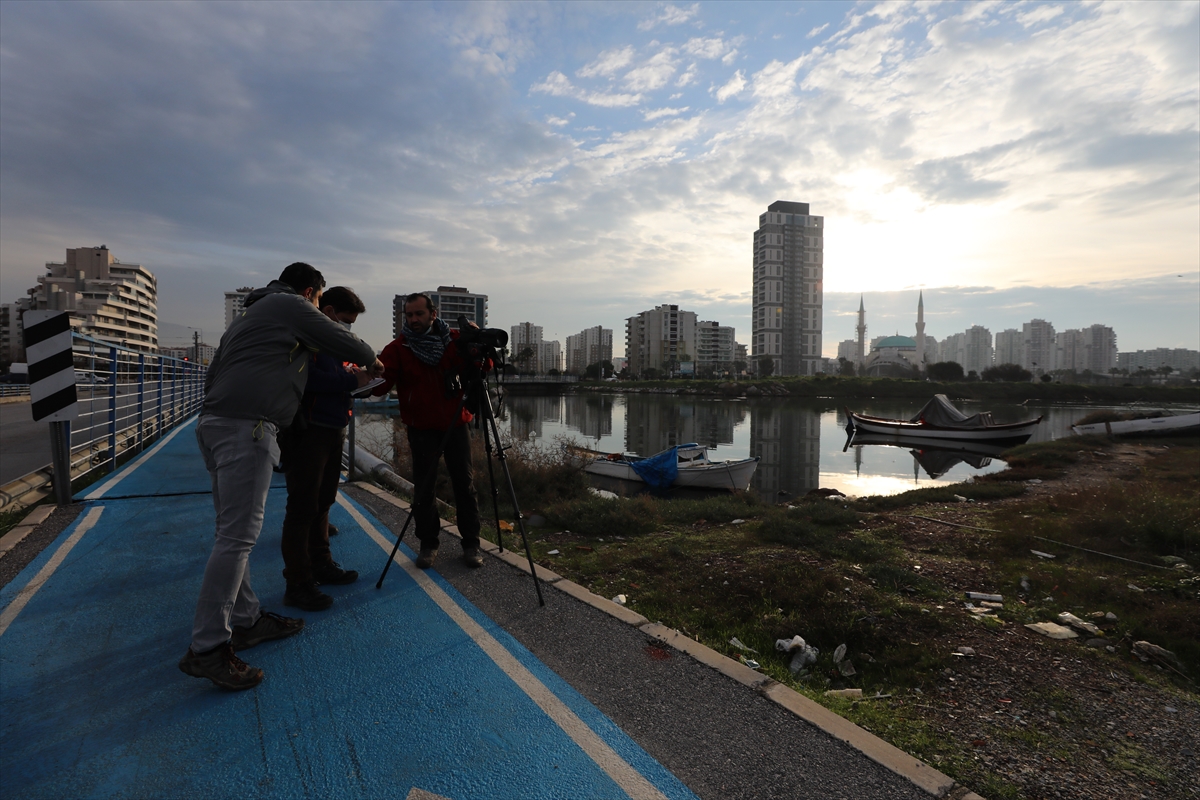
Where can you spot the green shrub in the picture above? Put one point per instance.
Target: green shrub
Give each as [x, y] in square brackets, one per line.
[599, 516]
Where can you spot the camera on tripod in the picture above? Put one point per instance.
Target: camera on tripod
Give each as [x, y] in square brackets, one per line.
[481, 342]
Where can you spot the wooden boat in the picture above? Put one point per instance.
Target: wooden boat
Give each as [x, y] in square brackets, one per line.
[1178, 425]
[692, 467]
[937, 457]
[939, 421]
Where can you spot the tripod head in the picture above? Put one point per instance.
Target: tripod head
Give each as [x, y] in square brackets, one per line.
[480, 345]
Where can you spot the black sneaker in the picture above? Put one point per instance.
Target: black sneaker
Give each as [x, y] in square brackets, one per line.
[269, 626]
[222, 667]
[306, 597]
[332, 574]
[333, 531]
[472, 557]
[426, 557]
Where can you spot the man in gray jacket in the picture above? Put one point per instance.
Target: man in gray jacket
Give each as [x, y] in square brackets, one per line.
[253, 389]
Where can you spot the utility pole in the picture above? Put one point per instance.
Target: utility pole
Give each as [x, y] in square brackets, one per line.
[196, 347]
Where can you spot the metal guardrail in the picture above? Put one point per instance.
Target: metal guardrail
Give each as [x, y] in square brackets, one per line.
[14, 390]
[127, 400]
[540, 379]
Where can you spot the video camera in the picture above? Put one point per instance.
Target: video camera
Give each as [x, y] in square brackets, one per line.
[478, 339]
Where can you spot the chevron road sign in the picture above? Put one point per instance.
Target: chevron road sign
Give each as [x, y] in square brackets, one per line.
[51, 369]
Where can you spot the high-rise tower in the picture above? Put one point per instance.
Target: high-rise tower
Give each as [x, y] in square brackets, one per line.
[788, 278]
[861, 356]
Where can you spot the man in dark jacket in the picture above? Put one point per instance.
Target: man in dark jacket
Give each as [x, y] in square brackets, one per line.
[312, 455]
[422, 363]
[253, 389]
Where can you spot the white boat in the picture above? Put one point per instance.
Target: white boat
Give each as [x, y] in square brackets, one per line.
[1179, 425]
[939, 421]
[693, 467]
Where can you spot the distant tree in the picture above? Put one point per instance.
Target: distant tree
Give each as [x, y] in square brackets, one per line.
[846, 367]
[523, 358]
[650, 374]
[972, 375]
[766, 367]
[945, 371]
[1165, 370]
[1046, 377]
[553, 371]
[1007, 372]
[739, 367]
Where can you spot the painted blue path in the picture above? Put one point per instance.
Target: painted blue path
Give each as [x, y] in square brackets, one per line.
[379, 696]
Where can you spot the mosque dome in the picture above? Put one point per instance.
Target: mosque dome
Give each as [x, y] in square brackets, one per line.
[898, 342]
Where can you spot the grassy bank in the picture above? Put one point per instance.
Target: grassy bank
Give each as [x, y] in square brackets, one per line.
[885, 577]
[834, 386]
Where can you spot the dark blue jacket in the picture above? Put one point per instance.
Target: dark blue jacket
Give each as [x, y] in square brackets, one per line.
[327, 402]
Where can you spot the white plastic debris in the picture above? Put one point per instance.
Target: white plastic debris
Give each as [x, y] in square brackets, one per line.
[839, 653]
[846, 668]
[749, 662]
[1040, 554]
[968, 652]
[1053, 630]
[740, 645]
[994, 598]
[803, 654]
[1067, 618]
[737, 522]
[552, 553]
[620, 599]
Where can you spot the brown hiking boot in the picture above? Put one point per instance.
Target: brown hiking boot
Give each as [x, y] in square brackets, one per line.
[306, 597]
[332, 574]
[472, 557]
[222, 667]
[269, 626]
[426, 557]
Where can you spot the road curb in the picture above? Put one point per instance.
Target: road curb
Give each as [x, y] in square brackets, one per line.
[886, 755]
[24, 528]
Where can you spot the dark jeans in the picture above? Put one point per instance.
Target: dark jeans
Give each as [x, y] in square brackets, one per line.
[457, 455]
[313, 459]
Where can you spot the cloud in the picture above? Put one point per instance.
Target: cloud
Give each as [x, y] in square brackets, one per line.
[731, 88]
[817, 31]
[654, 73]
[1042, 13]
[659, 113]
[710, 48]
[560, 85]
[608, 63]
[670, 15]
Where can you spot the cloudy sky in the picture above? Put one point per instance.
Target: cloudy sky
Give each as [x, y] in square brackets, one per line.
[580, 162]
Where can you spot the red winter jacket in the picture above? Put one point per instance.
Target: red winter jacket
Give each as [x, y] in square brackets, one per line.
[421, 388]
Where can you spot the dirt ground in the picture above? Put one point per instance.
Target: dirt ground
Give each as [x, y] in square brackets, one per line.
[1037, 717]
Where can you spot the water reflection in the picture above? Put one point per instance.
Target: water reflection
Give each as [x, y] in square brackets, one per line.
[801, 443]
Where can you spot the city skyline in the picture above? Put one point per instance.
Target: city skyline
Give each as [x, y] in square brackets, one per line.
[578, 163]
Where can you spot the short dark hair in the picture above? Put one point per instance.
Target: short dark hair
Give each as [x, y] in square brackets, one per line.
[415, 296]
[301, 276]
[343, 299]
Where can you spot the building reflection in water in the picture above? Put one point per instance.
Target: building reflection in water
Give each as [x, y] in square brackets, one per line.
[653, 422]
[527, 413]
[787, 440]
[590, 414]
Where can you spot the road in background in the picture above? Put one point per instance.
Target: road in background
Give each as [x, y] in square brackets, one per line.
[24, 444]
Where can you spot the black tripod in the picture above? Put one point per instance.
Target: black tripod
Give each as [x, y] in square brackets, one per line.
[475, 387]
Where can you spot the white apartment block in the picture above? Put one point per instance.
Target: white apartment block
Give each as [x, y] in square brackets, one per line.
[525, 347]
[1038, 343]
[1008, 347]
[716, 347]
[1178, 359]
[107, 300]
[786, 310]
[972, 349]
[450, 301]
[1093, 348]
[204, 355]
[235, 304]
[659, 339]
[588, 347]
[550, 357]
[12, 348]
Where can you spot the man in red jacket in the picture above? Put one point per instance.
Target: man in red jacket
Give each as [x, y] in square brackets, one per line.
[422, 363]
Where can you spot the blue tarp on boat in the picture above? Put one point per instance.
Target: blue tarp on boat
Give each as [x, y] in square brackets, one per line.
[658, 471]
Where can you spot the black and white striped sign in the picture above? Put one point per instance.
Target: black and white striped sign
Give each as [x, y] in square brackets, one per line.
[51, 367]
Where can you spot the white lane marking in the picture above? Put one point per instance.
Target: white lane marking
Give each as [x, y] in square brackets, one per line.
[103, 488]
[421, 794]
[632, 782]
[30, 589]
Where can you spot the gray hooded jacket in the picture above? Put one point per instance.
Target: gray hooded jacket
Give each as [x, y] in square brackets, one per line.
[261, 366]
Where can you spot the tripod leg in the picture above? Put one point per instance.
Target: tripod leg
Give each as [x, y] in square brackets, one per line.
[487, 446]
[485, 406]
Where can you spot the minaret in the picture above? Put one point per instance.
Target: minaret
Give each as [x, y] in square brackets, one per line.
[862, 333]
[921, 332]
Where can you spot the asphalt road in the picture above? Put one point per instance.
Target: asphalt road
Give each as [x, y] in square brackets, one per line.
[24, 444]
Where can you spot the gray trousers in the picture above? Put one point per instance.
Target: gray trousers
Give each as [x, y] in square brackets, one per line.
[240, 455]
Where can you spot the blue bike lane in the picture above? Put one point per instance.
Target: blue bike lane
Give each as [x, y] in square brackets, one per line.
[408, 691]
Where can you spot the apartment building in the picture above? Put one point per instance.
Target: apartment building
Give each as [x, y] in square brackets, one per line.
[788, 268]
[589, 346]
[451, 302]
[659, 339]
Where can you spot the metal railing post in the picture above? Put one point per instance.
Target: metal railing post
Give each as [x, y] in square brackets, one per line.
[60, 452]
[141, 435]
[159, 425]
[112, 410]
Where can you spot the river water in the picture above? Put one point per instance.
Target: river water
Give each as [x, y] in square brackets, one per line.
[800, 442]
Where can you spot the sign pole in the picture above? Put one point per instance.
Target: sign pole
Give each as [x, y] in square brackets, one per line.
[60, 451]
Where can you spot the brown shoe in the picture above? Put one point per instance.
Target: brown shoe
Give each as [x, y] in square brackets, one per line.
[426, 557]
[472, 557]
[222, 667]
[269, 626]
